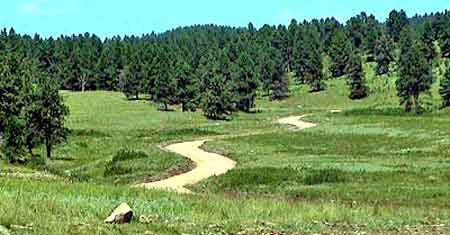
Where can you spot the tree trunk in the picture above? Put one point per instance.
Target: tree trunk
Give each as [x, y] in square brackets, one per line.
[414, 103]
[48, 147]
[83, 83]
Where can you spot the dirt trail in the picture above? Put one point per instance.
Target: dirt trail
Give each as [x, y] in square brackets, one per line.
[297, 122]
[208, 164]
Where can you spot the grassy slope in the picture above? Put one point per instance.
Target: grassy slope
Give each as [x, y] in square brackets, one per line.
[360, 170]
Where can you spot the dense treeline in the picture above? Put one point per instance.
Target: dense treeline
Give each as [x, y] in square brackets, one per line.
[216, 68]
[236, 62]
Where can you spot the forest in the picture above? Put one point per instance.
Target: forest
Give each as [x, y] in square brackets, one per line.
[217, 69]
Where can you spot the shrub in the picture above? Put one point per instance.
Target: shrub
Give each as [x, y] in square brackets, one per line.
[322, 176]
[113, 167]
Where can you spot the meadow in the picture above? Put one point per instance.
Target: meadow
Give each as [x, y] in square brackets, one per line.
[371, 169]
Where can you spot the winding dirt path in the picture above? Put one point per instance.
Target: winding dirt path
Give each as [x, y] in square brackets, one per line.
[208, 164]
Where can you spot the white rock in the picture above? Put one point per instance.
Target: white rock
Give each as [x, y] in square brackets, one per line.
[4, 230]
[121, 215]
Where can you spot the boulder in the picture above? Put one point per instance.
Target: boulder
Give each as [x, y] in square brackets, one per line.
[4, 230]
[121, 215]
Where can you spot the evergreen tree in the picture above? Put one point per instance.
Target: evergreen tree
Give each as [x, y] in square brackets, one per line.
[415, 72]
[217, 98]
[340, 52]
[15, 76]
[357, 30]
[374, 32]
[445, 88]
[445, 43]
[45, 116]
[428, 42]
[130, 81]
[354, 69]
[396, 22]
[383, 55]
[273, 75]
[187, 85]
[165, 83]
[244, 81]
[309, 60]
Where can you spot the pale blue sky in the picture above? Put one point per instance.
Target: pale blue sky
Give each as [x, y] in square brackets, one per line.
[112, 17]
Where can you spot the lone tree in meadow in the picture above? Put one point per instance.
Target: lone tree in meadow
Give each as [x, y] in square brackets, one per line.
[445, 88]
[415, 72]
[46, 115]
[355, 81]
[383, 55]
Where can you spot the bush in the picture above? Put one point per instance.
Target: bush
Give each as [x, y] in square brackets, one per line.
[315, 177]
[113, 167]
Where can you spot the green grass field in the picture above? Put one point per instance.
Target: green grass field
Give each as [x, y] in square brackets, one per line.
[371, 169]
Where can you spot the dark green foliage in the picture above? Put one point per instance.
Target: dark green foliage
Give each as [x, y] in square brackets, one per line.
[129, 81]
[395, 24]
[309, 59]
[46, 115]
[217, 99]
[415, 72]
[15, 79]
[445, 43]
[429, 49]
[32, 111]
[244, 82]
[187, 86]
[445, 88]
[358, 89]
[165, 83]
[340, 51]
[357, 29]
[272, 72]
[383, 55]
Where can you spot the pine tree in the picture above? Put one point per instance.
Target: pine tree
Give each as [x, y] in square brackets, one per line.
[15, 77]
[309, 60]
[383, 55]
[273, 75]
[415, 72]
[45, 116]
[245, 82]
[187, 86]
[428, 42]
[339, 53]
[445, 88]
[445, 43]
[130, 82]
[358, 89]
[395, 24]
[374, 32]
[217, 98]
[165, 83]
